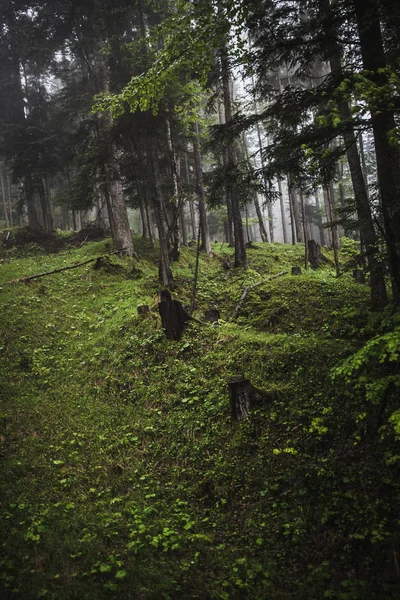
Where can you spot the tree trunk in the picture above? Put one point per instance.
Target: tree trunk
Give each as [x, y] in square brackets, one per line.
[164, 269]
[319, 220]
[204, 230]
[229, 224]
[296, 209]
[334, 232]
[358, 175]
[174, 201]
[382, 118]
[122, 235]
[3, 191]
[33, 218]
[303, 219]
[232, 194]
[283, 215]
[143, 217]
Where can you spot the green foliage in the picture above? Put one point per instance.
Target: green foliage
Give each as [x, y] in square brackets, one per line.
[123, 475]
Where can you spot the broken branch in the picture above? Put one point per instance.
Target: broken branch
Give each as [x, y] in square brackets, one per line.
[85, 262]
[250, 287]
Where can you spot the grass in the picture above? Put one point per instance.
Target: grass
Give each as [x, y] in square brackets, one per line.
[123, 475]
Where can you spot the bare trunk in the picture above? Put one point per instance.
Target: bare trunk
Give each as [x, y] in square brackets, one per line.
[232, 194]
[334, 232]
[383, 123]
[319, 220]
[283, 216]
[297, 218]
[143, 216]
[204, 230]
[303, 219]
[6, 217]
[164, 269]
[229, 225]
[175, 200]
[358, 174]
[122, 235]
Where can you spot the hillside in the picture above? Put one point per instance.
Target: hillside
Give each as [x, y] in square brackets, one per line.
[123, 474]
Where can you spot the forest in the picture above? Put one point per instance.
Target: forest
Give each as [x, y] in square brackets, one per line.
[200, 299]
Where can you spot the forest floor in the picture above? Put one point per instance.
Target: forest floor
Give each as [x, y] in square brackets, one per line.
[123, 475]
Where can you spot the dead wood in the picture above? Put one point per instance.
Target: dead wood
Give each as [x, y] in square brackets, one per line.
[85, 262]
[250, 287]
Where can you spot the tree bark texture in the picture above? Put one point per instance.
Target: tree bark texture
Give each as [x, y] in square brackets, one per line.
[164, 269]
[382, 118]
[358, 177]
[204, 230]
[240, 248]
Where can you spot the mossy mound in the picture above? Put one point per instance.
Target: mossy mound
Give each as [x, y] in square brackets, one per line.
[316, 302]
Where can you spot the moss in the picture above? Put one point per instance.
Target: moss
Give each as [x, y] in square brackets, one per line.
[123, 475]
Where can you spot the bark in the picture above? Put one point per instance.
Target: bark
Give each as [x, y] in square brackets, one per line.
[292, 221]
[263, 231]
[240, 247]
[239, 394]
[10, 212]
[191, 209]
[297, 217]
[174, 202]
[330, 196]
[283, 216]
[319, 220]
[204, 230]
[164, 269]
[261, 226]
[303, 220]
[229, 235]
[358, 173]
[3, 191]
[387, 155]
[143, 216]
[122, 235]
[33, 218]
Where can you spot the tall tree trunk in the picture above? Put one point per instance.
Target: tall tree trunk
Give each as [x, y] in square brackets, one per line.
[304, 226]
[232, 193]
[174, 201]
[164, 269]
[319, 220]
[382, 118]
[122, 235]
[283, 216]
[143, 216]
[204, 230]
[334, 231]
[358, 177]
[230, 238]
[296, 209]
[3, 191]
[191, 209]
[261, 226]
[292, 220]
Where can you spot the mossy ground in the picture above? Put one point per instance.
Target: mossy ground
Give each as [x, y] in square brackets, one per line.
[123, 475]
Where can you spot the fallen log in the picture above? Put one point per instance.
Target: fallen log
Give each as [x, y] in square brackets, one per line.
[85, 262]
[250, 287]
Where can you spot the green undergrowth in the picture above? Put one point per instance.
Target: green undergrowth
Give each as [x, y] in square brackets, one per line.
[123, 475]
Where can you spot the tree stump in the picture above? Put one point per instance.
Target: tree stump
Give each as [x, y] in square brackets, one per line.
[174, 317]
[314, 254]
[143, 309]
[212, 315]
[359, 275]
[239, 394]
[296, 270]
